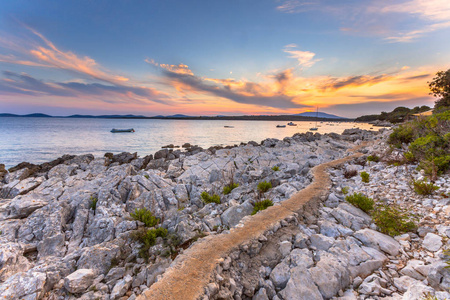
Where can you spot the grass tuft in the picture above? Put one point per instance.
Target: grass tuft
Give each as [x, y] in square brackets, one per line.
[207, 198]
[145, 216]
[261, 205]
[361, 201]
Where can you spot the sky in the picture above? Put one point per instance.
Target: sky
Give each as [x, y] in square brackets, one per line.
[221, 57]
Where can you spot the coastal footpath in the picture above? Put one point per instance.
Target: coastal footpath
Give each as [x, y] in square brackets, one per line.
[71, 228]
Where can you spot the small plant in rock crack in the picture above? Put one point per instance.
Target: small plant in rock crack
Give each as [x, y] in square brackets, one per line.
[93, 204]
[344, 190]
[365, 177]
[422, 187]
[207, 198]
[261, 205]
[145, 216]
[361, 201]
[148, 239]
[228, 188]
[264, 186]
[373, 158]
[276, 168]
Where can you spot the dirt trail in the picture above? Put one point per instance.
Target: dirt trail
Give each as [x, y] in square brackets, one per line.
[191, 271]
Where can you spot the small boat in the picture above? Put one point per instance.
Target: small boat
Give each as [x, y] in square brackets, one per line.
[292, 124]
[281, 126]
[228, 126]
[114, 130]
[315, 128]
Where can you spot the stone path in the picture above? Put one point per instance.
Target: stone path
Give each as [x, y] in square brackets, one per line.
[191, 271]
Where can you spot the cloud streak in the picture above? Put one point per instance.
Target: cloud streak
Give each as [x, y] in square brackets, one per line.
[304, 58]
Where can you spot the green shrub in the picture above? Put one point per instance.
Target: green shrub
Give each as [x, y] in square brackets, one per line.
[422, 187]
[261, 205]
[207, 198]
[447, 258]
[400, 135]
[344, 190]
[361, 201]
[264, 186]
[228, 188]
[93, 204]
[145, 216]
[148, 239]
[365, 177]
[373, 158]
[393, 220]
[275, 168]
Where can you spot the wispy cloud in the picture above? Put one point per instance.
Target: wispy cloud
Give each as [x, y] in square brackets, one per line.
[416, 18]
[304, 58]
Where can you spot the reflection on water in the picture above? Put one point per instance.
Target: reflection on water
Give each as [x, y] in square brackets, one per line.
[38, 140]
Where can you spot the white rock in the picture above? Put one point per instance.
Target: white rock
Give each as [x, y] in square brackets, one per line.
[375, 239]
[79, 281]
[300, 286]
[121, 287]
[432, 242]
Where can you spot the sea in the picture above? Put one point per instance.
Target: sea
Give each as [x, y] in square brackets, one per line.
[38, 140]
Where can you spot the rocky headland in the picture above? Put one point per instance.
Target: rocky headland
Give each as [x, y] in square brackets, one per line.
[67, 229]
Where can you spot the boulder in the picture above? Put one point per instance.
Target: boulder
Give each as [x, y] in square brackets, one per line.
[79, 281]
[121, 287]
[432, 242]
[234, 214]
[24, 285]
[375, 239]
[280, 275]
[300, 286]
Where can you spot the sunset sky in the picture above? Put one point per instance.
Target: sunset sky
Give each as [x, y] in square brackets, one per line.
[221, 57]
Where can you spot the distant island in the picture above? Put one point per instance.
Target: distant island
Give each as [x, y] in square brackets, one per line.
[306, 116]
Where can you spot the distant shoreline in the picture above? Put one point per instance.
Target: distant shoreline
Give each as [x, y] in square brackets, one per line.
[209, 118]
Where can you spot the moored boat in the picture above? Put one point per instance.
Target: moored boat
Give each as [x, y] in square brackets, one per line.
[114, 130]
[292, 124]
[281, 126]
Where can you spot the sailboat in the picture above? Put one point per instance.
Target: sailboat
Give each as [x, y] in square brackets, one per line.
[315, 128]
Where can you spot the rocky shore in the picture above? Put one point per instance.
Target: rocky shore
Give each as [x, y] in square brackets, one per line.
[66, 230]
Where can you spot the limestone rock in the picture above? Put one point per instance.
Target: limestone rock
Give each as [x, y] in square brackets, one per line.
[300, 286]
[375, 239]
[79, 281]
[432, 242]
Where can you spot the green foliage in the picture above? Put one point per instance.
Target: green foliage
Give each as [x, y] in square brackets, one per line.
[145, 216]
[148, 239]
[440, 88]
[344, 190]
[428, 296]
[373, 158]
[93, 204]
[261, 205]
[422, 187]
[447, 258]
[400, 135]
[264, 186]
[275, 168]
[146, 176]
[361, 201]
[207, 198]
[365, 177]
[393, 220]
[399, 114]
[228, 188]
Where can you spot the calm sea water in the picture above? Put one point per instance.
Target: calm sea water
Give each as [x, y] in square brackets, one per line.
[38, 140]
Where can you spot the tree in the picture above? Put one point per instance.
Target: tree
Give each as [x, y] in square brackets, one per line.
[440, 88]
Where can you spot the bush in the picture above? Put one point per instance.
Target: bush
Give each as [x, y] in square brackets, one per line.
[422, 187]
[365, 177]
[373, 158]
[361, 201]
[264, 186]
[228, 188]
[145, 216]
[261, 205]
[207, 198]
[148, 239]
[393, 220]
[349, 173]
[400, 135]
[275, 168]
